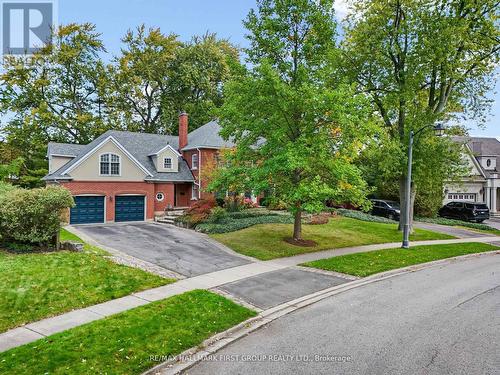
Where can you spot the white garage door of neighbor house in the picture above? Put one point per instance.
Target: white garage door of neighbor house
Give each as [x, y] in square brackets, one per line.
[465, 197]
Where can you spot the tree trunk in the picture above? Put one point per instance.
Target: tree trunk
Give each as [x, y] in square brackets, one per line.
[297, 225]
[402, 203]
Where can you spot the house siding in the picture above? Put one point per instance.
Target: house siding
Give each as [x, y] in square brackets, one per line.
[88, 170]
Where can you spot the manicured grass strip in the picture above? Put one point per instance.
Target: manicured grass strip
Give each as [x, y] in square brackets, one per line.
[65, 235]
[35, 286]
[124, 343]
[369, 263]
[266, 241]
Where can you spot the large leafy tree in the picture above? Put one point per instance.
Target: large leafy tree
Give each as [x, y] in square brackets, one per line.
[294, 133]
[419, 62]
[142, 80]
[156, 76]
[56, 94]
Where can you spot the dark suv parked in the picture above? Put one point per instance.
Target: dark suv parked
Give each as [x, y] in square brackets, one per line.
[465, 211]
[388, 209]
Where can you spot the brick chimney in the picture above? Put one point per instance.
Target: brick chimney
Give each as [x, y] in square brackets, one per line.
[183, 130]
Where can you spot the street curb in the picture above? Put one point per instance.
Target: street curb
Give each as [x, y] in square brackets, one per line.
[192, 356]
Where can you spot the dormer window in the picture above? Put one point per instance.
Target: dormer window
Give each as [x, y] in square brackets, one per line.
[488, 163]
[109, 165]
[194, 161]
[167, 163]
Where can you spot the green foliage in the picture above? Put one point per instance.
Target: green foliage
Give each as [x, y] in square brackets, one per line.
[420, 62]
[157, 76]
[5, 188]
[33, 216]
[359, 215]
[233, 222]
[217, 214]
[295, 134]
[67, 93]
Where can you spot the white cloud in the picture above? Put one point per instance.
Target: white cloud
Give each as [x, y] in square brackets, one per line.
[341, 8]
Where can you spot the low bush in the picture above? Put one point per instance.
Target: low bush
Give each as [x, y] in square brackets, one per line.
[253, 212]
[33, 216]
[198, 212]
[359, 215]
[232, 224]
[233, 203]
[451, 222]
[217, 214]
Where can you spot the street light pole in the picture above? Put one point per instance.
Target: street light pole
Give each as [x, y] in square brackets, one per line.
[406, 227]
[439, 131]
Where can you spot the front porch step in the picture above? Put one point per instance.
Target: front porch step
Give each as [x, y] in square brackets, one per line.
[165, 220]
[170, 216]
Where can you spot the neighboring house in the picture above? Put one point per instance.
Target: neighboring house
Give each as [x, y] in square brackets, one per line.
[125, 176]
[483, 183]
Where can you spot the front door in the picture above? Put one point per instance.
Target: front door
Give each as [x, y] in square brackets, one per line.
[181, 195]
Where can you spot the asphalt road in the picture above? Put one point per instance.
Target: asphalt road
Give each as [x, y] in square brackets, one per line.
[167, 246]
[441, 320]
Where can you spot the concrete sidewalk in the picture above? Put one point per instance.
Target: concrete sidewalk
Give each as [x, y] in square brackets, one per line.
[34, 331]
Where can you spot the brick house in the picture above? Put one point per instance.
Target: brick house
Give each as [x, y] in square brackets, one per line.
[126, 176]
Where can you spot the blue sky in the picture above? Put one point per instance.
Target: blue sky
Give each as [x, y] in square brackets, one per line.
[186, 18]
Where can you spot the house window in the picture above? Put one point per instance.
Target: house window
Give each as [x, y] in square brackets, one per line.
[194, 161]
[109, 165]
[488, 163]
[194, 192]
[167, 163]
[160, 197]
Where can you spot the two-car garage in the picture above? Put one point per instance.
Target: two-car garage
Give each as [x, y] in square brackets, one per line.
[91, 209]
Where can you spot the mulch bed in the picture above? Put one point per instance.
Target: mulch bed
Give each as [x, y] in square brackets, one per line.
[301, 243]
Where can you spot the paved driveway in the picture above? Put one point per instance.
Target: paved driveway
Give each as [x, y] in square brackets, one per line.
[452, 231]
[183, 251]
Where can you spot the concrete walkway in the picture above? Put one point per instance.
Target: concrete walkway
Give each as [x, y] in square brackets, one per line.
[34, 331]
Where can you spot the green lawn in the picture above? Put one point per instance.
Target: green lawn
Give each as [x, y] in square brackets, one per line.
[369, 263]
[266, 241]
[35, 286]
[124, 343]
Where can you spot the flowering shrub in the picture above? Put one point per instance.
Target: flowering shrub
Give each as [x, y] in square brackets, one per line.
[248, 203]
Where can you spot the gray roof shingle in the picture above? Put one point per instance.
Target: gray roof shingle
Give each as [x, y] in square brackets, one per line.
[139, 145]
[142, 146]
[207, 136]
[66, 149]
[482, 146]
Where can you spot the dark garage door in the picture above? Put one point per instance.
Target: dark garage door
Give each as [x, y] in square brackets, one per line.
[87, 210]
[129, 208]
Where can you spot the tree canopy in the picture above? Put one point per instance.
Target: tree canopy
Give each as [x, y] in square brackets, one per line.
[67, 92]
[420, 62]
[294, 133]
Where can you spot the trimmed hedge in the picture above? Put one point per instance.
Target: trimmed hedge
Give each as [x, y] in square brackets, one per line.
[33, 216]
[359, 215]
[230, 225]
[454, 223]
